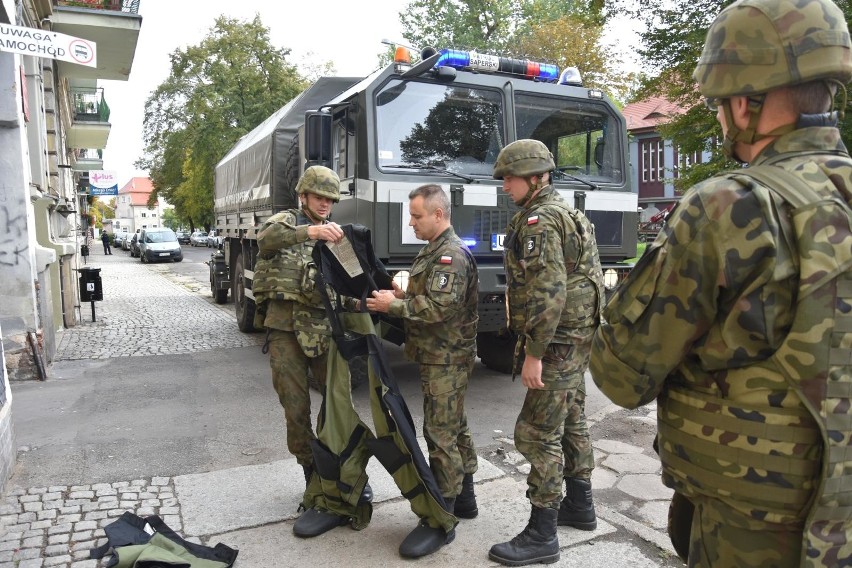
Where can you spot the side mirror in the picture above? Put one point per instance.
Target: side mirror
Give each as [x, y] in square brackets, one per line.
[318, 138]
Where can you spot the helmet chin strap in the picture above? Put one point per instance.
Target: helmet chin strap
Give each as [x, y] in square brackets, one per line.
[533, 187]
[750, 134]
[312, 215]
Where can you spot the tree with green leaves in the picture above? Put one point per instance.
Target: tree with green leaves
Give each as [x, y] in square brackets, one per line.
[672, 42]
[562, 32]
[217, 91]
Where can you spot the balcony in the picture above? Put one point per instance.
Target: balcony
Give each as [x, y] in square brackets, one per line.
[113, 25]
[90, 123]
[88, 159]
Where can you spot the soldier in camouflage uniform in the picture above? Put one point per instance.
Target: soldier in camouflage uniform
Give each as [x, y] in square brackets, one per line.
[555, 294]
[290, 307]
[736, 319]
[439, 310]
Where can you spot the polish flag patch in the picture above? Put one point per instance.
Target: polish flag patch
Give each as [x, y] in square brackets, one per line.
[446, 260]
[532, 220]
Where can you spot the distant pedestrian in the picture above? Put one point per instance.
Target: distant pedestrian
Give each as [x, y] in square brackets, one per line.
[105, 241]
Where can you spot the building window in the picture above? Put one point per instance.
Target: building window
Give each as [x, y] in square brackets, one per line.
[153, 214]
[685, 160]
[652, 160]
[144, 214]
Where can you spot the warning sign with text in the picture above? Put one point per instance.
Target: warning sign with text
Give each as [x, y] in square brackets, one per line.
[43, 43]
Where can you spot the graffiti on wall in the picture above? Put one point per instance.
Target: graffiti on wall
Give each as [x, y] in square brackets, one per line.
[13, 243]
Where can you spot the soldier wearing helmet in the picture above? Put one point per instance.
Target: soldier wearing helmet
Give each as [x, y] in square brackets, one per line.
[288, 304]
[734, 318]
[554, 298]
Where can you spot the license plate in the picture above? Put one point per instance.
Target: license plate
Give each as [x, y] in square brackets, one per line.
[165, 253]
[497, 241]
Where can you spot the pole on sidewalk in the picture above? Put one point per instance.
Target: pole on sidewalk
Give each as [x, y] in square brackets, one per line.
[93, 310]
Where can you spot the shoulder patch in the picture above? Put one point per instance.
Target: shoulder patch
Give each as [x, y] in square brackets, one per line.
[446, 259]
[532, 220]
[442, 281]
[533, 244]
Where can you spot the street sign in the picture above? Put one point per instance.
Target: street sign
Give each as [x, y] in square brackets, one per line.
[103, 182]
[43, 43]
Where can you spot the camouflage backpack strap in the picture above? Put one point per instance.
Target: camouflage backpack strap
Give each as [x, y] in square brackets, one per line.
[816, 357]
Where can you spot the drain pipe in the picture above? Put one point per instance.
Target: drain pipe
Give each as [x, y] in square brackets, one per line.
[35, 345]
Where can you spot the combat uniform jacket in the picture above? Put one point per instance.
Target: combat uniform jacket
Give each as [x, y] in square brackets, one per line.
[285, 285]
[700, 317]
[440, 305]
[554, 277]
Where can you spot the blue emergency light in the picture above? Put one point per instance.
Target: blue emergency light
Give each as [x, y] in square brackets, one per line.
[495, 64]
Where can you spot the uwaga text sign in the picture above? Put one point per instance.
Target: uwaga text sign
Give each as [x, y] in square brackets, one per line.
[41, 43]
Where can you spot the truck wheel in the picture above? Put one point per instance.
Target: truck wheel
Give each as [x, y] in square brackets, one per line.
[496, 349]
[292, 170]
[243, 306]
[357, 373]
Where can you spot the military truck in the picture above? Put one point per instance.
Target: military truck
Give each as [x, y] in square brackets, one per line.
[442, 120]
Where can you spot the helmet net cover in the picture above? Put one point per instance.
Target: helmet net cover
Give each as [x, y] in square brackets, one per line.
[755, 46]
[321, 181]
[523, 158]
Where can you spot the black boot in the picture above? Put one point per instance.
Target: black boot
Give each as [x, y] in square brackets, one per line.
[537, 543]
[577, 509]
[466, 501]
[314, 522]
[424, 540]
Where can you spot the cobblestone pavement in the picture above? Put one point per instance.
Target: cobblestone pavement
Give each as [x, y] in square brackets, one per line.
[129, 322]
[57, 526]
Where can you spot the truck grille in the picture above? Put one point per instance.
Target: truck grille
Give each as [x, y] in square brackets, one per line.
[486, 222]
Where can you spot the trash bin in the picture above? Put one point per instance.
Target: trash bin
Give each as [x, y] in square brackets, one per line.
[91, 289]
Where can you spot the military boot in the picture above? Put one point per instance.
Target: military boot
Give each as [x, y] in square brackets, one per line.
[466, 500]
[425, 540]
[577, 509]
[315, 522]
[537, 543]
[366, 494]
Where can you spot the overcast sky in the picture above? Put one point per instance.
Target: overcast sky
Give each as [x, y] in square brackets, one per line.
[347, 33]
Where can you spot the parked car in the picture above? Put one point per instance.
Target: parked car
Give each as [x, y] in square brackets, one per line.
[118, 238]
[134, 245]
[214, 240]
[198, 239]
[159, 244]
[183, 237]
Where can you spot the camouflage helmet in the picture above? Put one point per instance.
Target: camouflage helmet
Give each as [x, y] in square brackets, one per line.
[321, 181]
[523, 158]
[755, 46]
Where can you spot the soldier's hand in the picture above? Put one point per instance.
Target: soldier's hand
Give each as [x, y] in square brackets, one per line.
[531, 373]
[398, 292]
[381, 301]
[330, 232]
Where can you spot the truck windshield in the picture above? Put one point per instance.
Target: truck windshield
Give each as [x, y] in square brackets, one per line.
[582, 136]
[459, 129]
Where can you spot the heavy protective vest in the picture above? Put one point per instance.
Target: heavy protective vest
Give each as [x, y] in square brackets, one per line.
[134, 547]
[791, 464]
[577, 297]
[289, 273]
[345, 443]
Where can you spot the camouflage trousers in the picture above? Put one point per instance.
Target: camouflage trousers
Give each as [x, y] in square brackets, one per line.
[290, 378]
[448, 439]
[551, 431]
[709, 531]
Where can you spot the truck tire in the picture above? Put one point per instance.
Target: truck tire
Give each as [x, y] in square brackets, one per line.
[357, 373]
[243, 306]
[220, 295]
[496, 349]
